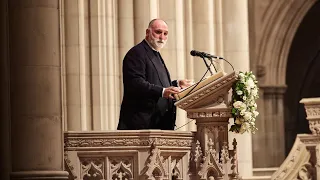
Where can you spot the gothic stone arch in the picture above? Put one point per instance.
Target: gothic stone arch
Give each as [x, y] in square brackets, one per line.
[273, 25]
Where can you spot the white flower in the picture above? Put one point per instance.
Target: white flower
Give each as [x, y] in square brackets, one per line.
[243, 106]
[250, 83]
[247, 116]
[254, 92]
[242, 112]
[244, 127]
[238, 104]
[244, 101]
[239, 92]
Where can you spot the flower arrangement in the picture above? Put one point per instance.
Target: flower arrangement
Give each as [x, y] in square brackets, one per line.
[244, 107]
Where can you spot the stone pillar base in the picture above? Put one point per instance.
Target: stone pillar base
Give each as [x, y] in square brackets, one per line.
[39, 175]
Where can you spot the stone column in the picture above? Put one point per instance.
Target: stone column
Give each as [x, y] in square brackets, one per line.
[270, 126]
[144, 11]
[203, 33]
[126, 38]
[4, 94]
[174, 52]
[236, 50]
[76, 65]
[35, 86]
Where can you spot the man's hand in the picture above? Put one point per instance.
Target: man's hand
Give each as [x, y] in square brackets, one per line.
[169, 91]
[185, 83]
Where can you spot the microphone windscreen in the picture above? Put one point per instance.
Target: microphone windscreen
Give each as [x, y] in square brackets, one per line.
[193, 53]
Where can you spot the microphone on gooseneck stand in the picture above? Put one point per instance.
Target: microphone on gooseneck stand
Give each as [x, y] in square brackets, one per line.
[203, 54]
[206, 55]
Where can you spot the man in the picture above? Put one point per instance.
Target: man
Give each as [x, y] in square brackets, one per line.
[148, 90]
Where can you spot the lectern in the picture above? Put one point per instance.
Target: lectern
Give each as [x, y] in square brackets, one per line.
[209, 105]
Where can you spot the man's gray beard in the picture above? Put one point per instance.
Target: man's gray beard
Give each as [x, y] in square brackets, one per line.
[160, 45]
[156, 43]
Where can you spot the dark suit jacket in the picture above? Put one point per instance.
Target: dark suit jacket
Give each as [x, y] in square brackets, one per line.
[144, 77]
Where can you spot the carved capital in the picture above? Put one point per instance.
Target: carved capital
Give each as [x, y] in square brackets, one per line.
[312, 107]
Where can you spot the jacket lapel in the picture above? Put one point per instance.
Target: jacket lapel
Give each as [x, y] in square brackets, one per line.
[155, 61]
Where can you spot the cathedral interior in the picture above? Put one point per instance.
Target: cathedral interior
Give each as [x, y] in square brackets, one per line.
[61, 77]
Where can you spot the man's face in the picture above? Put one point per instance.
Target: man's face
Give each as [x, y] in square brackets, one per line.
[158, 34]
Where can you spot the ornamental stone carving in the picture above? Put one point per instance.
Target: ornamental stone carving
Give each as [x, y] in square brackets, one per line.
[291, 167]
[121, 168]
[92, 168]
[305, 173]
[312, 107]
[154, 168]
[211, 167]
[105, 142]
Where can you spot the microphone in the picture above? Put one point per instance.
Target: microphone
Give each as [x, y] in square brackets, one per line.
[203, 54]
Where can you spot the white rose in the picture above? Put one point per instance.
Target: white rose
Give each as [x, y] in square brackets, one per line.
[247, 116]
[239, 92]
[244, 98]
[237, 104]
[250, 83]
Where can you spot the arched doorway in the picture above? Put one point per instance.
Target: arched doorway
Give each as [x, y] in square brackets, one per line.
[302, 74]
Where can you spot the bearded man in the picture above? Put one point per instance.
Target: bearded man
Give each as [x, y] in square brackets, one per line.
[148, 101]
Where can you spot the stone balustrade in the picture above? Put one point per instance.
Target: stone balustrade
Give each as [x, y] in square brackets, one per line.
[303, 161]
[145, 154]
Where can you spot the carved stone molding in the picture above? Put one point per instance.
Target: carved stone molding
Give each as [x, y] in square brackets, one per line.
[313, 112]
[309, 140]
[105, 142]
[205, 114]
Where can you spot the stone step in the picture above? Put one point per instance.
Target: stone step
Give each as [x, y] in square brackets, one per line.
[257, 178]
[264, 171]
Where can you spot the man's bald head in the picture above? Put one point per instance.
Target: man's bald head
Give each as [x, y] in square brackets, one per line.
[153, 21]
